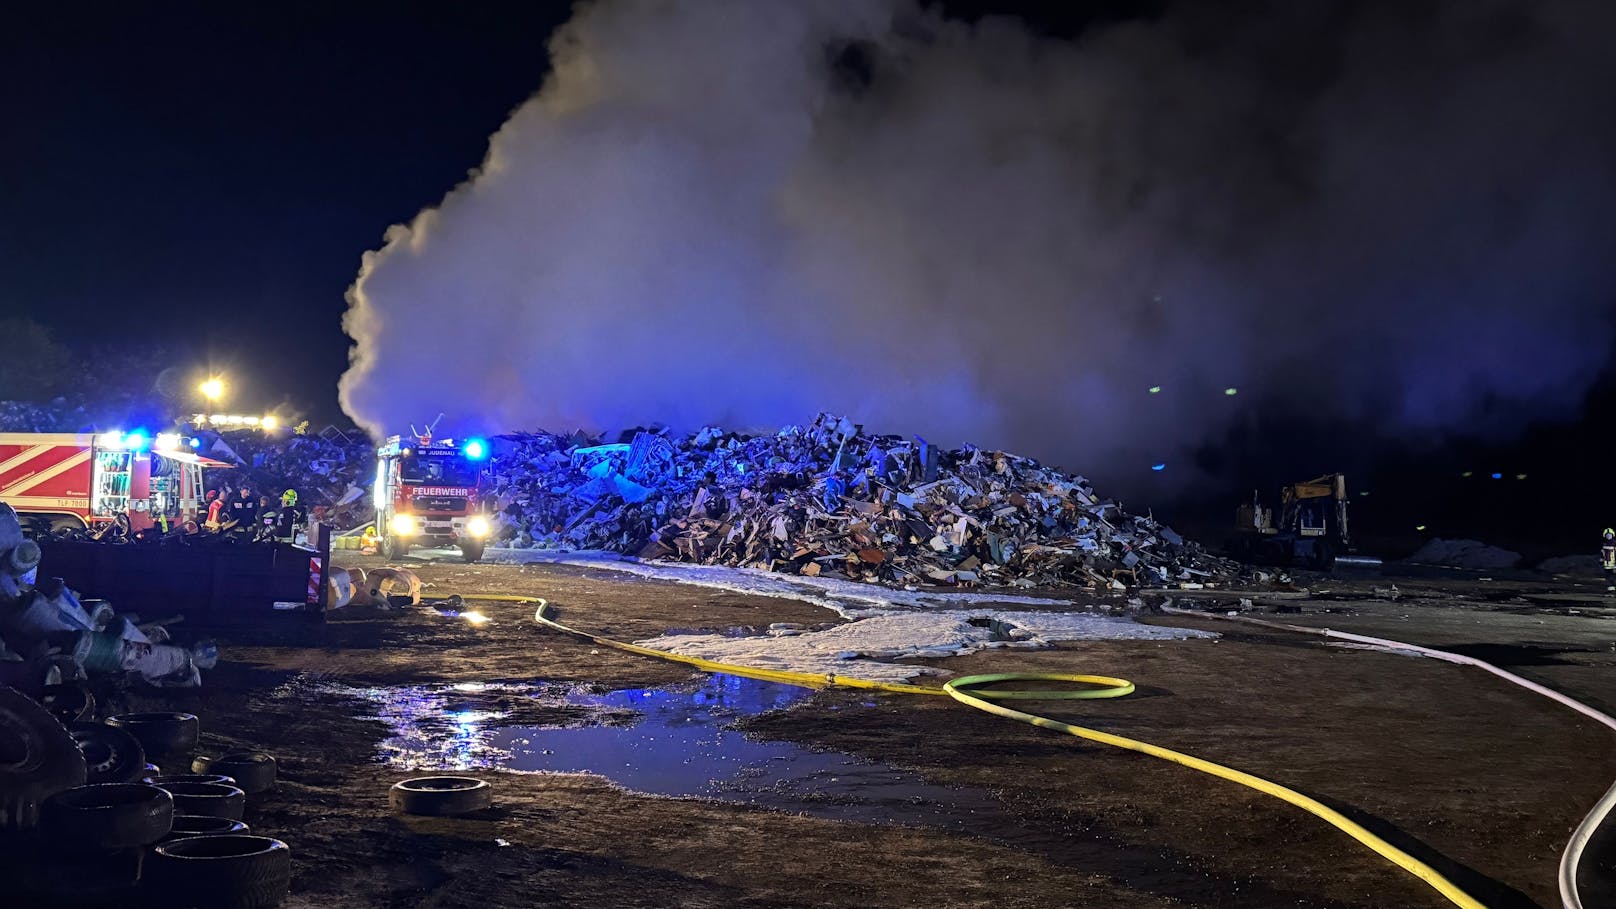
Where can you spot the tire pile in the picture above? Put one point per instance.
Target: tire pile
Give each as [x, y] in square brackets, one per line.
[90, 821]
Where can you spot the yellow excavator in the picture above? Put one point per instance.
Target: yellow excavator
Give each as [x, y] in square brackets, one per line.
[1310, 530]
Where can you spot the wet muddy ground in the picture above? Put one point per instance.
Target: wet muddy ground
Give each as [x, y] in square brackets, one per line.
[624, 781]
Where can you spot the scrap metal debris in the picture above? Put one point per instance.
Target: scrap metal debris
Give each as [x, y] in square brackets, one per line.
[830, 500]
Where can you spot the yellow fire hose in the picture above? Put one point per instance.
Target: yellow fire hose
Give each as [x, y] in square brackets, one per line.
[968, 690]
[1571, 856]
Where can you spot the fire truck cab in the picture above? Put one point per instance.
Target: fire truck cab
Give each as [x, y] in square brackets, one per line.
[85, 480]
[427, 494]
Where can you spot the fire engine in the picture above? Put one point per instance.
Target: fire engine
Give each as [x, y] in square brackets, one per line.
[81, 480]
[427, 494]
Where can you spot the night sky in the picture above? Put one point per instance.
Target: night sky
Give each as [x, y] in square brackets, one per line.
[206, 177]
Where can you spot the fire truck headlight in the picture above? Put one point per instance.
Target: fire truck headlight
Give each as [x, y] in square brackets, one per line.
[402, 524]
[477, 526]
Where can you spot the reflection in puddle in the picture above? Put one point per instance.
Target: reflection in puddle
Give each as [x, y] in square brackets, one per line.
[672, 741]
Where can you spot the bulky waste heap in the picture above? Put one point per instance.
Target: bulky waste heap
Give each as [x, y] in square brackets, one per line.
[828, 499]
[330, 471]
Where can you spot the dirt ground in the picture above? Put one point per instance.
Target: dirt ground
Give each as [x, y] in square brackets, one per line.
[1483, 780]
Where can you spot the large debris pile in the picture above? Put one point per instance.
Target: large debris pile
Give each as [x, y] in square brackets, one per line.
[55, 416]
[829, 499]
[331, 471]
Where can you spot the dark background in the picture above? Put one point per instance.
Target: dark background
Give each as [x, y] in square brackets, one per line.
[198, 182]
[205, 177]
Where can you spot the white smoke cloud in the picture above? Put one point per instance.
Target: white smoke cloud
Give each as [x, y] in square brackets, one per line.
[746, 212]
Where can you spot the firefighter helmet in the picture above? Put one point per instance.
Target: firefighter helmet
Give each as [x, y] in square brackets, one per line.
[289, 497]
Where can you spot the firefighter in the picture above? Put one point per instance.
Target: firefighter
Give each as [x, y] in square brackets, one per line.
[290, 517]
[266, 518]
[1607, 559]
[215, 510]
[243, 508]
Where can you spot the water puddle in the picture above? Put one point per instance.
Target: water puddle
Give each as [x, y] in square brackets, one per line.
[674, 740]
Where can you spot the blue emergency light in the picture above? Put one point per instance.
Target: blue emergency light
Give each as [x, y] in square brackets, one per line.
[475, 449]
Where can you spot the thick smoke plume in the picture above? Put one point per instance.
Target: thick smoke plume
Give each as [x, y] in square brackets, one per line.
[1394, 215]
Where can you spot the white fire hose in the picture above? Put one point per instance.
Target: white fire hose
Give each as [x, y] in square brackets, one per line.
[1571, 858]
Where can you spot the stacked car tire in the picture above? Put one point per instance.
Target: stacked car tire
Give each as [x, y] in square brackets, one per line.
[100, 825]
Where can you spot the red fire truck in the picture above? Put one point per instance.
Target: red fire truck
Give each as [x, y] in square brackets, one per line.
[427, 494]
[61, 480]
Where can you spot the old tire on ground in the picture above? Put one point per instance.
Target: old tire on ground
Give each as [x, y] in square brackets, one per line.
[211, 799]
[160, 733]
[471, 552]
[237, 871]
[38, 758]
[69, 703]
[108, 816]
[111, 755]
[163, 779]
[201, 825]
[441, 796]
[255, 771]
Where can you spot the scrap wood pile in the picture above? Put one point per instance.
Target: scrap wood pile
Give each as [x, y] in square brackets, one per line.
[828, 499]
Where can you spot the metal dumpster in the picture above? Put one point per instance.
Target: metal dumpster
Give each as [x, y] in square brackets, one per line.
[212, 582]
